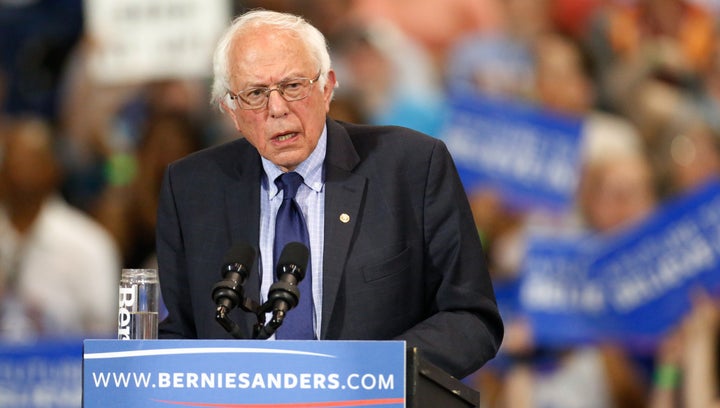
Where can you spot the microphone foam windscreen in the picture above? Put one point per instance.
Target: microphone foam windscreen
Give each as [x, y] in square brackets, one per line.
[295, 253]
[241, 253]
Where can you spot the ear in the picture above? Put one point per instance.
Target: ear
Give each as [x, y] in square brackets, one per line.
[229, 107]
[330, 85]
[227, 104]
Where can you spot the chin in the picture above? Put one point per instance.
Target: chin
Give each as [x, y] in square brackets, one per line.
[289, 162]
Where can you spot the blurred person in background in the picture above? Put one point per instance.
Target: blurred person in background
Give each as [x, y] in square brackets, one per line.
[616, 189]
[563, 84]
[687, 372]
[500, 62]
[390, 77]
[688, 152]
[391, 55]
[36, 38]
[58, 268]
[618, 185]
[672, 41]
[102, 111]
[571, 16]
[128, 209]
[680, 133]
[435, 25]
[101, 124]
[329, 16]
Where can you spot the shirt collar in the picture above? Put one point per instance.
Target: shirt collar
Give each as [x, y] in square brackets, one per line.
[311, 169]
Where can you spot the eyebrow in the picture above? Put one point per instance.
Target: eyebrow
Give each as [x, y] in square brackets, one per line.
[265, 85]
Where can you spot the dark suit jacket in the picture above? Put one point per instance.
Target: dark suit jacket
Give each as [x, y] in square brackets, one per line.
[408, 265]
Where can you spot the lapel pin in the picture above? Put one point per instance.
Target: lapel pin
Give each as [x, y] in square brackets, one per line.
[344, 218]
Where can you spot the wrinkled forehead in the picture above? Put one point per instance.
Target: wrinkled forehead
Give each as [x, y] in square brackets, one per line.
[266, 55]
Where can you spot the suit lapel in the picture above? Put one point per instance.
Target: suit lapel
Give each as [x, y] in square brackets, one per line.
[344, 192]
[242, 212]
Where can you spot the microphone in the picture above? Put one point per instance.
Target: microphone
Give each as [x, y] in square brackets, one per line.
[229, 293]
[284, 293]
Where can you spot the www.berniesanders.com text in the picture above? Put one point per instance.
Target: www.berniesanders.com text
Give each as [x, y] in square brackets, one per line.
[280, 381]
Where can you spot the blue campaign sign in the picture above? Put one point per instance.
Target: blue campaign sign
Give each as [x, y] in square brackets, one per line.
[530, 155]
[563, 302]
[44, 373]
[631, 286]
[243, 373]
[650, 272]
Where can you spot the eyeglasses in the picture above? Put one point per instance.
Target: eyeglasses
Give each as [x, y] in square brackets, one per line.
[293, 89]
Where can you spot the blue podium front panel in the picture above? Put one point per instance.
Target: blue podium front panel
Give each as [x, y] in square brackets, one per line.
[42, 373]
[243, 373]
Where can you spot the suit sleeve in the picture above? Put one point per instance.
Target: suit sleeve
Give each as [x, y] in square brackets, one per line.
[466, 329]
[171, 267]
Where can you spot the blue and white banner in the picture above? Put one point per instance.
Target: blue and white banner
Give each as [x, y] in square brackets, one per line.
[243, 373]
[563, 301]
[41, 374]
[630, 287]
[531, 156]
[650, 272]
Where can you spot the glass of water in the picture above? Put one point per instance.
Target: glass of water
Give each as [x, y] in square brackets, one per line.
[139, 296]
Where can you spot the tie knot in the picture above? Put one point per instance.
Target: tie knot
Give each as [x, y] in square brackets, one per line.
[289, 184]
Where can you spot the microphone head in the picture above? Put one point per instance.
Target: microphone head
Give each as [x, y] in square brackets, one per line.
[240, 253]
[238, 260]
[295, 255]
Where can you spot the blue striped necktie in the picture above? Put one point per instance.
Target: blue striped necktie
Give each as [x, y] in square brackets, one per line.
[290, 227]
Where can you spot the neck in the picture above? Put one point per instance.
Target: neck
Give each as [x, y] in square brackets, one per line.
[23, 211]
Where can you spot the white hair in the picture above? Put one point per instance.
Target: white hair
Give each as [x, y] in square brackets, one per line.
[311, 36]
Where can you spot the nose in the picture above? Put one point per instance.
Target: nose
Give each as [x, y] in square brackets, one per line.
[276, 104]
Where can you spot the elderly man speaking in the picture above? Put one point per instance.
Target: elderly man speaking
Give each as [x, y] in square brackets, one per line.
[393, 249]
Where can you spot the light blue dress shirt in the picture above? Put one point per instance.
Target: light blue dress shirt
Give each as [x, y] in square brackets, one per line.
[311, 198]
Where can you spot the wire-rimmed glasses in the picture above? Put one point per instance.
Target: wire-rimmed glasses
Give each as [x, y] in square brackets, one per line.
[293, 89]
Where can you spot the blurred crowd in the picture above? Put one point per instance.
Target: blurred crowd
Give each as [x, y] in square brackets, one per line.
[81, 161]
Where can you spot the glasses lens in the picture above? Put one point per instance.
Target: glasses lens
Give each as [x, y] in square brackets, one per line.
[291, 90]
[295, 89]
[253, 97]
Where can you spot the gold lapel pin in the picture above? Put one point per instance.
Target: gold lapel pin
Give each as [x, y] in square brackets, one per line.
[344, 218]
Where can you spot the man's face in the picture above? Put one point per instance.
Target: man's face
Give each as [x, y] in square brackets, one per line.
[283, 132]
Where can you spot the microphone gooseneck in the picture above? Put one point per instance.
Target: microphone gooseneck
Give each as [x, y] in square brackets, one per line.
[229, 293]
[284, 293]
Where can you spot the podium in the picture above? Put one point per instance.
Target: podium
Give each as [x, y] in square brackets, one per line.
[264, 374]
[427, 386]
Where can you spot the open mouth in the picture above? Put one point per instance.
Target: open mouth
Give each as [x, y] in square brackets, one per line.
[286, 136]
